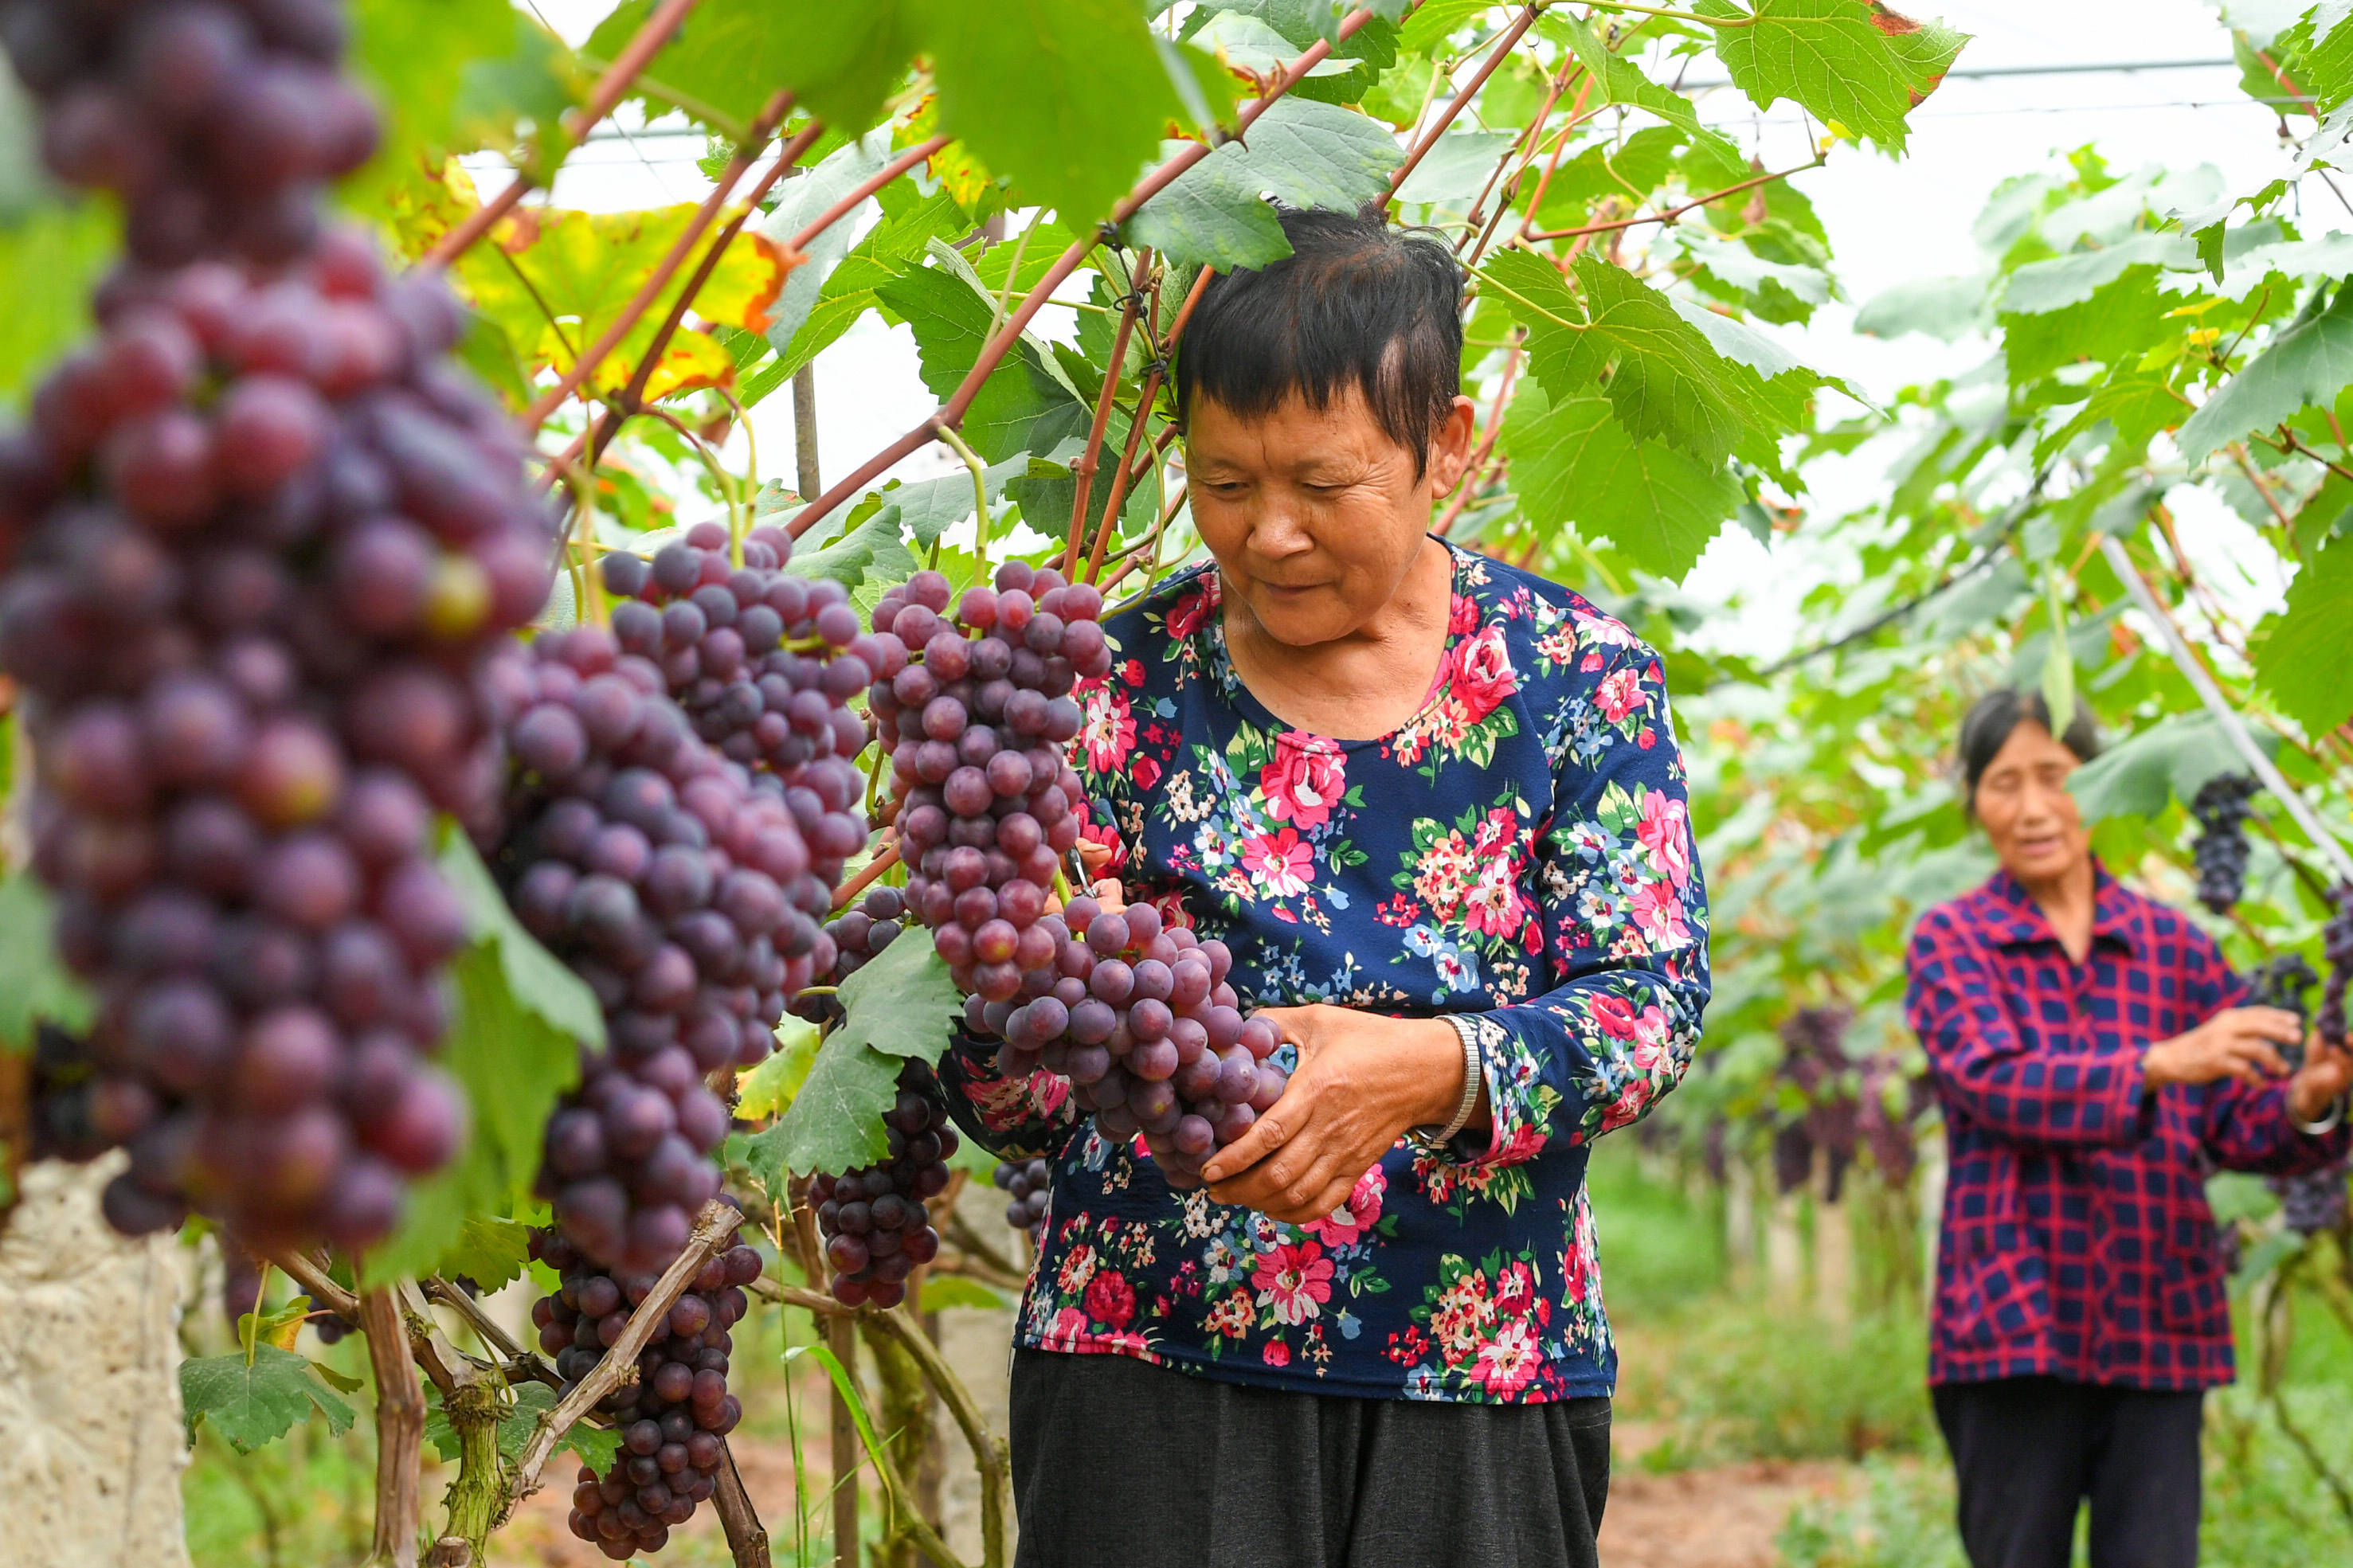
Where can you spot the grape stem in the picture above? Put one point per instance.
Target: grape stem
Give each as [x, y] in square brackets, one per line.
[980, 489]
[610, 88]
[712, 1229]
[747, 1538]
[399, 1431]
[884, 858]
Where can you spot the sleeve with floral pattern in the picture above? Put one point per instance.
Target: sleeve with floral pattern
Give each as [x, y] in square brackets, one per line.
[1621, 915]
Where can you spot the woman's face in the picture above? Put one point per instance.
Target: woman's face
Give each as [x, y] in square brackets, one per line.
[2024, 805]
[1314, 515]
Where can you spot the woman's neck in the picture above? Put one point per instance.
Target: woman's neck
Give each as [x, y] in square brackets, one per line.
[2069, 901]
[1365, 684]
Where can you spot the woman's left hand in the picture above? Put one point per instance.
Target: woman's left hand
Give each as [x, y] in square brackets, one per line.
[1362, 1081]
[2326, 1072]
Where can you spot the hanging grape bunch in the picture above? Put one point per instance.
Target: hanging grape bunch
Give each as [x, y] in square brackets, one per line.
[1028, 1184]
[2221, 849]
[2282, 982]
[857, 934]
[672, 1418]
[218, 124]
[2336, 946]
[655, 869]
[2315, 1200]
[260, 535]
[1814, 1059]
[876, 1226]
[764, 664]
[1139, 1018]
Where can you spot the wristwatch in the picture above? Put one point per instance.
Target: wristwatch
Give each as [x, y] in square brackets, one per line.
[1474, 1078]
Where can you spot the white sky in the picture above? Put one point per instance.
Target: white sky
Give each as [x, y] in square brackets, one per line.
[1889, 221]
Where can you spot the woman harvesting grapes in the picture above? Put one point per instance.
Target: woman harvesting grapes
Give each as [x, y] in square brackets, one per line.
[1427, 815]
[2095, 1062]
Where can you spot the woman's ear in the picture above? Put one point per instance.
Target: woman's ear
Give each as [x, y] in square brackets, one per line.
[1450, 448]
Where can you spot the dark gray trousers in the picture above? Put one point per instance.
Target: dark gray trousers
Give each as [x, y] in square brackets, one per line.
[2029, 1451]
[1118, 1463]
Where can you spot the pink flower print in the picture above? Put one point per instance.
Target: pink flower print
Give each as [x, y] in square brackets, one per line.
[1494, 906]
[1483, 675]
[1295, 1280]
[1444, 876]
[1615, 1016]
[1276, 1354]
[1304, 780]
[1621, 693]
[1515, 1290]
[1186, 615]
[1352, 1219]
[1658, 913]
[1280, 862]
[1462, 615]
[1078, 1268]
[1664, 834]
[1627, 1107]
[1460, 1321]
[1508, 1363]
[1109, 733]
[1111, 1299]
[1066, 1333]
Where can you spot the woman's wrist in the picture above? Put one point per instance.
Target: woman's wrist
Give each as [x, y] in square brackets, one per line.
[1432, 1059]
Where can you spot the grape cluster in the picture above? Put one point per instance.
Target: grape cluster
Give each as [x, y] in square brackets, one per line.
[857, 935]
[2282, 982]
[1029, 1184]
[876, 1226]
[2337, 945]
[658, 872]
[2221, 849]
[764, 664]
[2314, 1202]
[671, 1420]
[261, 537]
[218, 122]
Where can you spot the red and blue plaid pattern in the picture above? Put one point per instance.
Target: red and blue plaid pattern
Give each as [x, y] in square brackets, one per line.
[2077, 1241]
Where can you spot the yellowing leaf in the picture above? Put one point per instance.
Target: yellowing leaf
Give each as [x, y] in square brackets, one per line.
[559, 279]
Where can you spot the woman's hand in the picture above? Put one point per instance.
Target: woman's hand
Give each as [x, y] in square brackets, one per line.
[2327, 1073]
[2238, 1042]
[1363, 1080]
[1107, 892]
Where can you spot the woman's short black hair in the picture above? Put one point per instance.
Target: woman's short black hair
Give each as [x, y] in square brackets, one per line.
[1992, 718]
[1357, 301]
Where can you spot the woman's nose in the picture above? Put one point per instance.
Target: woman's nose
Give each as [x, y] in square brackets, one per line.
[1277, 533]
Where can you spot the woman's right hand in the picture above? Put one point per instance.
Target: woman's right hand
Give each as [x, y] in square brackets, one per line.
[2238, 1042]
[1106, 890]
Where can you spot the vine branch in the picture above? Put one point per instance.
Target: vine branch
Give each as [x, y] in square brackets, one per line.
[399, 1431]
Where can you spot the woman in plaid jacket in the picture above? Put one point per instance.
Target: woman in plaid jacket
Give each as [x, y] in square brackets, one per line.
[2095, 1064]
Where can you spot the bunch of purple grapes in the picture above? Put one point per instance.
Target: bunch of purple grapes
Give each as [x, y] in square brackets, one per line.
[763, 663]
[218, 122]
[857, 935]
[656, 871]
[671, 1420]
[263, 534]
[2337, 945]
[1029, 1184]
[876, 1226]
[2282, 982]
[2221, 849]
[2314, 1202]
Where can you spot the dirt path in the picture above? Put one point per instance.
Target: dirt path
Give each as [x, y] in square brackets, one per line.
[1724, 1517]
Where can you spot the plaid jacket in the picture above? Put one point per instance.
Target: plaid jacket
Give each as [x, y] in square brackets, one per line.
[2077, 1242]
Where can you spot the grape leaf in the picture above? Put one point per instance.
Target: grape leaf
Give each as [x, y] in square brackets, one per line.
[33, 985]
[454, 76]
[1068, 97]
[2121, 319]
[1942, 307]
[2042, 286]
[2309, 361]
[1852, 63]
[802, 202]
[2173, 758]
[251, 1405]
[50, 257]
[873, 546]
[1301, 152]
[2301, 659]
[835, 1122]
[1431, 28]
[839, 60]
[770, 1086]
[1457, 168]
[943, 1290]
[901, 1001]
[1574, 462]
[896, 242]
[522, 1019]
[1663, 377]
[1620, 80]
[491, 1250]
[1025, 405]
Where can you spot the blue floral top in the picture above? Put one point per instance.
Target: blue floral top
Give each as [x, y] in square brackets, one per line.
[1520, 850]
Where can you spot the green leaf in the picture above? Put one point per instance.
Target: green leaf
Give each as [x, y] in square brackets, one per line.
[1664, 378]
[1457, 168]
[943, 1291]
[872, 547]
[840, 60]
[2306, 649]
[1854, 64]
[2121, 319]
[1431, 28]
[1574, 462]
[2310, 362]
[1303, 154]
[2172, 759]
[522, 1021]
[1068, 97]
[801, 203]
[1943, 308]
[1620, 80]
[491, 1250]
[901, 1001]
[1025, 405]
[770, 1086]
[454, 76]
[34, 987]
[2041, 286]
[835, 1122]
[251, 1405]
[50, 257]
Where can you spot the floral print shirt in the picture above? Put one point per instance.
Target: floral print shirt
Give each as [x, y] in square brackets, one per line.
[1520, 851]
